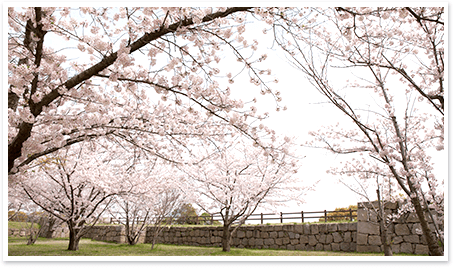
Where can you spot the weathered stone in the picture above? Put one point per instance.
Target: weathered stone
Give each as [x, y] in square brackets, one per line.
[312, 240]
[280, 234]
[322, 239]
[322, 228]
[327, 247]
[264, 235]
[412, 218]
[353, 226]
[294, 241]
[343, 227]
[337, 237]
[401, 229]
[291, 235]
[345, 246]
[373, 216]
[374, 240]
[412, 239]
[314, 229]
[319, 247]
[298, 229]
[329, 239]
[259, 241]
[347, 237]
[395, 248]
[278, 241]
[416, 229]
[249, 234]
[304, 239]
[273, 234]
[306, 229]
[368, 228]
[269, 241]
[362, 248]
[390, 205]
[362, 215]
[362, 239]
[331, 227]
[335, 247]
[240, 234]
[285, 240]
[421, 250]
[300, 247]
[406, 248]
[290, 247]
[251, 241]
[397, 239]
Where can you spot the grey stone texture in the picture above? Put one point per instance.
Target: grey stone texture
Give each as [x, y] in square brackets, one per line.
[405, 233]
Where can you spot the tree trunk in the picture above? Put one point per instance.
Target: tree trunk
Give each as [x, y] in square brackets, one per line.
[73, 240]
[74, 236]
[385, 239]
[383, 227]
[226, 236]
[434, 248]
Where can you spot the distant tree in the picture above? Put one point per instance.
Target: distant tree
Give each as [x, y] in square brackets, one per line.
[75, 185]
[240, 177]
[205, 218]
[186, 214]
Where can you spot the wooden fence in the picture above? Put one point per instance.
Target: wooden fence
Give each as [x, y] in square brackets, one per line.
[281, 216]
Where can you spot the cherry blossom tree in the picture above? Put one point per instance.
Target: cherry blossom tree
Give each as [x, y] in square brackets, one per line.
[154, 191]
[151, 77]
[75, 185]
[240, 177]
[396, 101]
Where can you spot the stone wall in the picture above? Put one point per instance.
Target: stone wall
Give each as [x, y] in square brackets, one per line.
[326, 237]
[107, 233]
[14, 232]
[405, 233]
[111, 233]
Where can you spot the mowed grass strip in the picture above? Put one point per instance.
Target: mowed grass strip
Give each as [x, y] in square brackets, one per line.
[88, 247]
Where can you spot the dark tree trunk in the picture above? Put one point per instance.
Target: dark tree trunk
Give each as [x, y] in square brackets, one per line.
[385, 239]
[73, 240]
[383, 227]
[226, 237]
[74, 236]
[434, 248]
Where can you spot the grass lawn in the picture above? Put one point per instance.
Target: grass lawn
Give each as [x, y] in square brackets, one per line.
[88, 247]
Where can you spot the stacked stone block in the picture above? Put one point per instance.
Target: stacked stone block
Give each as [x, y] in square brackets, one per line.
[405, 233]
[323, 237]
[115, 233]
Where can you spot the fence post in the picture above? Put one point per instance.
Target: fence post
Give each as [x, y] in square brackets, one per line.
[212, 220]
[351, 215]
[281, 217]
[261, 218]
[325, 216]
[302, 216]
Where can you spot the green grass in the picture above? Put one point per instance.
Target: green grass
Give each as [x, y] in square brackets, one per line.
[87, 247]
[20, 225]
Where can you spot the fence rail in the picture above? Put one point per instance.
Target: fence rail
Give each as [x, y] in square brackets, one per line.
[262, 217]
